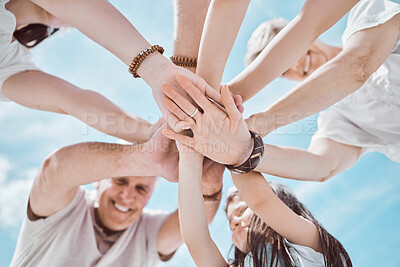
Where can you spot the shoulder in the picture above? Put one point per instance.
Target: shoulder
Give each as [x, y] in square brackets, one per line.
[307, 256]
[369, 13]
[7, 21]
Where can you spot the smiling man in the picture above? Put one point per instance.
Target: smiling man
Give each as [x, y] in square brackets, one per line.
[68, 225]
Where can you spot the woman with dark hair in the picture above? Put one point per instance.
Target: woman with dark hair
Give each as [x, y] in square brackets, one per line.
[270, 226]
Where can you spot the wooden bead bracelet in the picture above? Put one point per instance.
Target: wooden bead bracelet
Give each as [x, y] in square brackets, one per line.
[135, 64]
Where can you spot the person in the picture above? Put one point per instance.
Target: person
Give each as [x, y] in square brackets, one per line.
[23, 26]
[345, 131]
[365, 119]
[270, 226]
[66, 224]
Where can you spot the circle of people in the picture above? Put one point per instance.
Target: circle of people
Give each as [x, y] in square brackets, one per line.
[270, 227]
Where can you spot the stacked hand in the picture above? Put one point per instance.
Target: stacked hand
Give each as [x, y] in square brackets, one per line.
[218, 133]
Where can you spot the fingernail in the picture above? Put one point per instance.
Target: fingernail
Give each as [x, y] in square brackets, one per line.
[186, 127]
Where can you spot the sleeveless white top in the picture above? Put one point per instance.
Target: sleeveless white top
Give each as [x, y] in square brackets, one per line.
[14, 57]
[370, 117]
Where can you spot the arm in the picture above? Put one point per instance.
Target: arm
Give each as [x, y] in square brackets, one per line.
[189, 19]
[222, 25]
[66, 169]
[364, 53]
[38, 90]
[315, 17]
[192, 213]
[170, 238]
[324, 159]
[123, 40]
[257, 193]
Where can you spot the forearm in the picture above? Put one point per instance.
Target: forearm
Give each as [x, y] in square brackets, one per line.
[327, 85]
[100, 113]
[122, 38]
[85, 163]
[315, 17]
[294, 163]
[222, 24]
[192, 214]
[212, 199]
[189, 19]
[257, 193]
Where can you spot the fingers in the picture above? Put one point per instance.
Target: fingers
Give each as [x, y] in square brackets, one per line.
[229, 104]
[181, 101]
[176, 124]
[174, 109]
[195, 93]
[238, 102]
[182, 139]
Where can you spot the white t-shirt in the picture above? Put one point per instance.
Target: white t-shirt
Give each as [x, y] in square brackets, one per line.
[67, 238]
[370, 117]
[14, 57]
[302, 256]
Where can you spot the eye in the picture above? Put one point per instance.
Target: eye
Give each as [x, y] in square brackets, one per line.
[242, 210]
[141, 189]
[120, 181]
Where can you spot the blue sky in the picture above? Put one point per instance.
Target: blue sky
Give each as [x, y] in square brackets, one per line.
[361, 206]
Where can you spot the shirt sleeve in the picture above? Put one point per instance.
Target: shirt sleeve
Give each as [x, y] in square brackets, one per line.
[153, 220]
[14, 57]
[368, 14]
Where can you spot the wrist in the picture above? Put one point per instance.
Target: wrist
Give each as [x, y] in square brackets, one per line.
[246, 152]
[153, 66]
[191, 156]
[253, 160]
[261, 123]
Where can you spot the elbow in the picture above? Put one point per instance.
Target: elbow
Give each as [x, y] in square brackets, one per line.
[49, 169]
[362, 69]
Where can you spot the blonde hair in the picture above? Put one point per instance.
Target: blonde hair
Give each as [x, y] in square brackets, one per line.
[262, 36]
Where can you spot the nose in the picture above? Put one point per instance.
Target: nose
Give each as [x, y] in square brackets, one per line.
[234, 223]
[128, 193]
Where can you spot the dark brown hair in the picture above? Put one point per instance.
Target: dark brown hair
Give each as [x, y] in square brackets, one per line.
[261, 236]
[32, 34]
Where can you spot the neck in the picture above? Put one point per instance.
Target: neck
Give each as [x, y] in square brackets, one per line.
[106, 230]
[27, 12]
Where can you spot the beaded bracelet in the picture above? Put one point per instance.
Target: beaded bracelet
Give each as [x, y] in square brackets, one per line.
[135, 64]
[255, 158]
[184, 61]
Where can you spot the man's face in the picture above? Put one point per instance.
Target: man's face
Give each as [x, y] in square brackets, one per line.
[122, 199]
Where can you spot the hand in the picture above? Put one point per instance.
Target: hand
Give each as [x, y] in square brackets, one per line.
[155, 127]
[161, 154]
[219, 134]
[166, 74]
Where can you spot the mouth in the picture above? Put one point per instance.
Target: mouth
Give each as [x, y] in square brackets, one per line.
[120, 207]
[307, 64]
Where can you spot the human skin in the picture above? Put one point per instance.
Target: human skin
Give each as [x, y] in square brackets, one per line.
[125, 42]
[39, 90]
[322, 87]
[121, 199]
[256, 195]
[314, 18]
